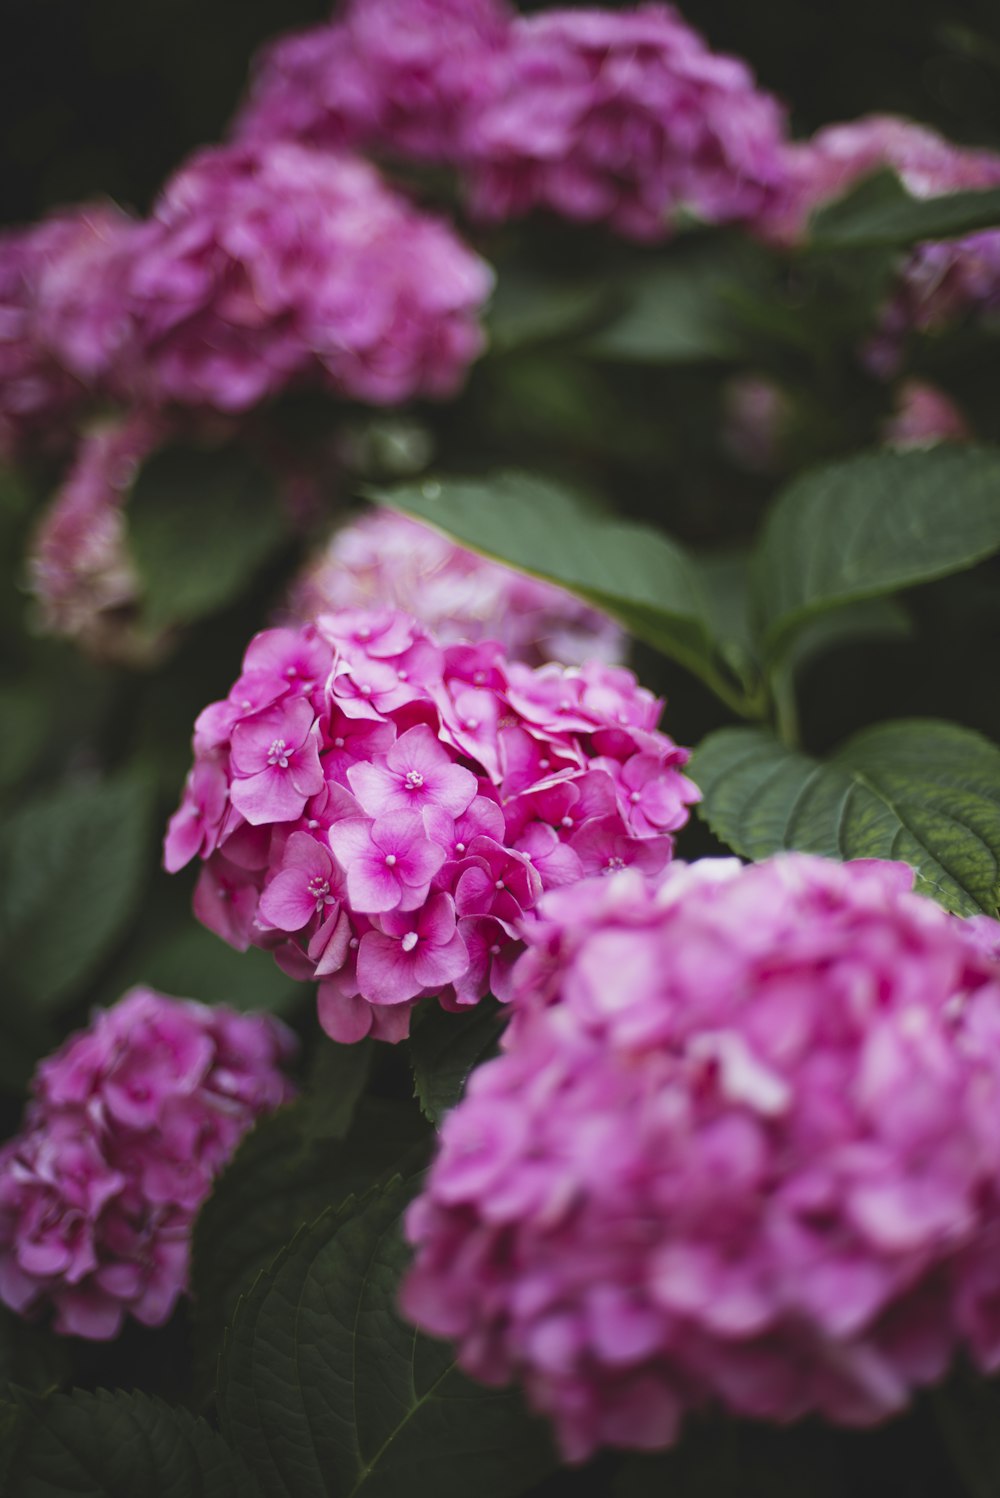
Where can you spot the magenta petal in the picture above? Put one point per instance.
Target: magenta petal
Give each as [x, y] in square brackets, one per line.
[386, 974]
[329, 947]
[438, 965]
[373, 886]
[350, 838]
[346, 1018]
[287, 902]
[374, 786]
[267, 797]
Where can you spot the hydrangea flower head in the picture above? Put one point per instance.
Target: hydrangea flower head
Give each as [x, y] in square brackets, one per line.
[740, 1148]
[61, 317]
[387, 559]
[272, 264]
[81, 571]
[939, 281]
[623, 117]
[129, 1124]
[389, 75]
[384, 811]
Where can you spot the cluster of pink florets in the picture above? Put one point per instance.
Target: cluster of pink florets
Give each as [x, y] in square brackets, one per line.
[260, 267]
[130, 1123]
[61, 319]
[620, 117]
[394, 76]
[274, 264]
[81, 571]
[741, 1146]
[385, 812]
[385, 560]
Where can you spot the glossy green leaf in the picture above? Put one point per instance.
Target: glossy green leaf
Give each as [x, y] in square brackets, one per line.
[871, 526]
[201, 523]
[71, 877]
[631, 571]
[329, 1394]
[880, 214]
[115, 1446]
[918, 790]
[285, 1173]
[444, 1048]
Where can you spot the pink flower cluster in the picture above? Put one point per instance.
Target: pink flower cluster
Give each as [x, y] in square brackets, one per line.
[261, 266]
[130, 1123]
[81, 572]
[741, 1146]
[61, 318]
[386, 560]
[393, 75]
[620, 117]
[939, 281]
[626, 118]
[385, 812]
[272, 264]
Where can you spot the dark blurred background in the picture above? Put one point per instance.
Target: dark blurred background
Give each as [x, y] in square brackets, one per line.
[106, 96]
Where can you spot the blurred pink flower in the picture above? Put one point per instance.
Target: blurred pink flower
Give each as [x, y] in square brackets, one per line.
[272, 264]
[385, 560]
[623, 117]
[129, 1124]
[740, 1147]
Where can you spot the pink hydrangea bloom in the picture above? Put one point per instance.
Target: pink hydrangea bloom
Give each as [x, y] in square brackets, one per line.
[938, 281]
[384, 811]
[61, 317]
[129, 1124]
[81, 571]
[276, 264]
[924, 415]
[386, 560]
[740, 1147]
[623, 117]
[393, 75]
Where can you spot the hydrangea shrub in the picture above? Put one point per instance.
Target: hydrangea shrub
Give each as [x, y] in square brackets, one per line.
[663, 388]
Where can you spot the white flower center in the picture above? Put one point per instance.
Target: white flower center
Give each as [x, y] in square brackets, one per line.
[613, 865]
[390, 859]
[319, 888]
[409, 941]
[278, 754]
[413, 780]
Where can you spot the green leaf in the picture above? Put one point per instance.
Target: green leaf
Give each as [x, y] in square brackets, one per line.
[880, 214]
[192, 962]
[201, 523]
[327, 1392]
[336, 1082]
[871, 526]
[116, 1446]
[71, 876]
[677, 306]
[284, 1174]
[918, 790]
[444, 1048]
[529, 307]
[631, 571]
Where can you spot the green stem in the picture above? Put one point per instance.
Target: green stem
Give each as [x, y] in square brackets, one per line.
[786, 710]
